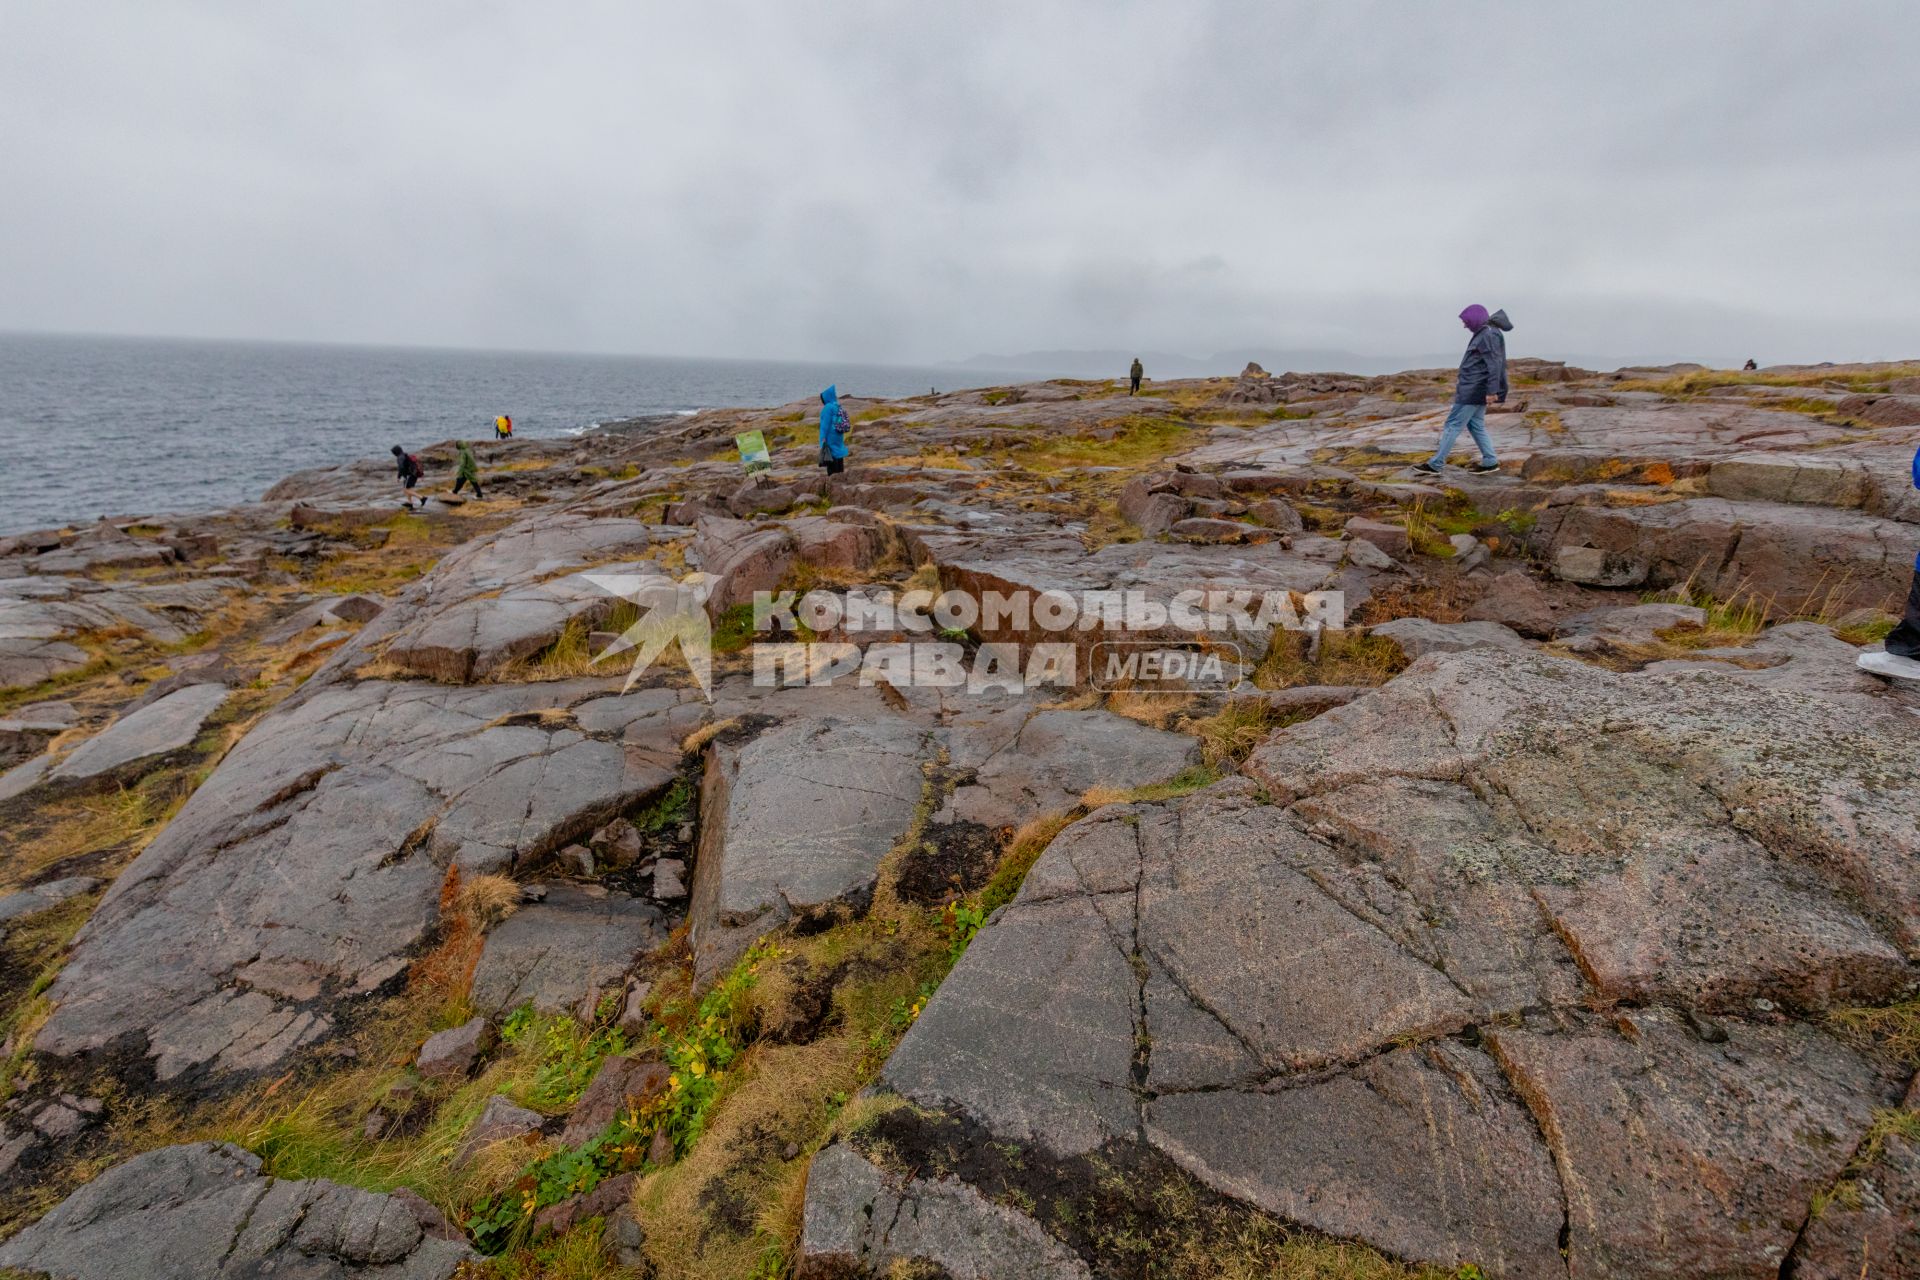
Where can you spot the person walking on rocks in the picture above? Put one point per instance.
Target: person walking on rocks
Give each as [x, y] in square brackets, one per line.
[410, 472]
[466, 470]
[1483, 379]
[1901, 658]
[1133, 377]
[833, 432]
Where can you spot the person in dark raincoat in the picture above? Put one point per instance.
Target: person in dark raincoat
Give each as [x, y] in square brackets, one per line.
[1134, 375]
[1483, 379]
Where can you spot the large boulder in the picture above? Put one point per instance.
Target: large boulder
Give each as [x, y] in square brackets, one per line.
[740, 559]
[1053, 758]
[1418, 637]
[24, 731]
[1512, 957]
[309, 866]
[1813, 478]
[142, 739]
[500, 597]
[1515, 600]
[1801, 557]
[41, 617]
[472, 639]
[797, 821]
[561, 953]
[206, 1209]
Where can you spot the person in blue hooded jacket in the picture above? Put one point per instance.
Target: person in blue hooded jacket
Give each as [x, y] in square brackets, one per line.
[1483, 378]
[1901, 659]
[833, 432]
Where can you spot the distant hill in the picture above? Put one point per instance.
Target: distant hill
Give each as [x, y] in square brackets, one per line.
[1162, 364]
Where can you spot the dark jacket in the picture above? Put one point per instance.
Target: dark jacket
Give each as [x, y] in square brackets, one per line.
[1483, 370]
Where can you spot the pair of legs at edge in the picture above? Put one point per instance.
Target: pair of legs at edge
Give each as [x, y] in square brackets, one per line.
[1471, 418]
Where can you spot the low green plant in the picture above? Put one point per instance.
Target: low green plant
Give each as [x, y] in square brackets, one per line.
[569, 1054]
[672, 809]
[697, 1055]
[961, 921]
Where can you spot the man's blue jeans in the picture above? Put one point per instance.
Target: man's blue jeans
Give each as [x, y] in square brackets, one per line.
[1465, 417]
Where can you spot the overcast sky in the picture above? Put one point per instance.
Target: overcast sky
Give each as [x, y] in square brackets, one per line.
[921, 182]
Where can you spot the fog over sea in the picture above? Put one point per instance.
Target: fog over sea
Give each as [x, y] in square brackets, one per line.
[93, 426]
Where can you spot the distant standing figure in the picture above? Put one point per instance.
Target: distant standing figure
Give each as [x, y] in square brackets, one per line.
[1901, 660]
[466, 470]
[1483, 378]
[1750, 366]
[503, 427]
[1133, 377]
[833, 432]
[410, 472]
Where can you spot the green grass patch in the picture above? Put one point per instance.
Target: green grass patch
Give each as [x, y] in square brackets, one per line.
[1141, 442]
[734, 629]
[1701, 381]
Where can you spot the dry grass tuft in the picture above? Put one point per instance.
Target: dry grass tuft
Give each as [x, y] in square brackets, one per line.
[1155, 706]
[486, 900]
[707, 733]
[1229, 736]
[1895, 1028]
[1348, 656]
[1100, 796]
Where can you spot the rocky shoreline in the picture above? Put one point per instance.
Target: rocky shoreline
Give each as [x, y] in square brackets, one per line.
[1559, 915]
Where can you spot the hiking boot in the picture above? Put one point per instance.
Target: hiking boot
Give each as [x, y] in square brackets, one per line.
[1426, 468]
[1484, 467]
[1892, 665]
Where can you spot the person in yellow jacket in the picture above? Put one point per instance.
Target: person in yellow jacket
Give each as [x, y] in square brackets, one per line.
[503, 427]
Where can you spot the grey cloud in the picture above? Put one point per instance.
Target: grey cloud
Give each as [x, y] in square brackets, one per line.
[914, 182]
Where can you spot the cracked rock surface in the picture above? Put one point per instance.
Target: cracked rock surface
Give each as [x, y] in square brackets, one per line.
[1516, 962]
[161, 1214]
[324, 837]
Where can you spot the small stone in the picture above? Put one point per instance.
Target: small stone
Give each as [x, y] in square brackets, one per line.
[58, 1121]
[633, 1013]
[629, 1241]
[668, 884]
[533, 893]
[660, 1150]
[791, 1151]
[1275, 514]
[374, 1126]
[1515, 600]
[1390, 538]
[621, 847]
[449, 1055]
[578, 859]
[499, 1121]
[1368, 556]
[622, 1083]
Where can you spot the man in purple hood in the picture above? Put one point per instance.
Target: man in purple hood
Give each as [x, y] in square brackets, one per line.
[1901, 657]
[1483, 378]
